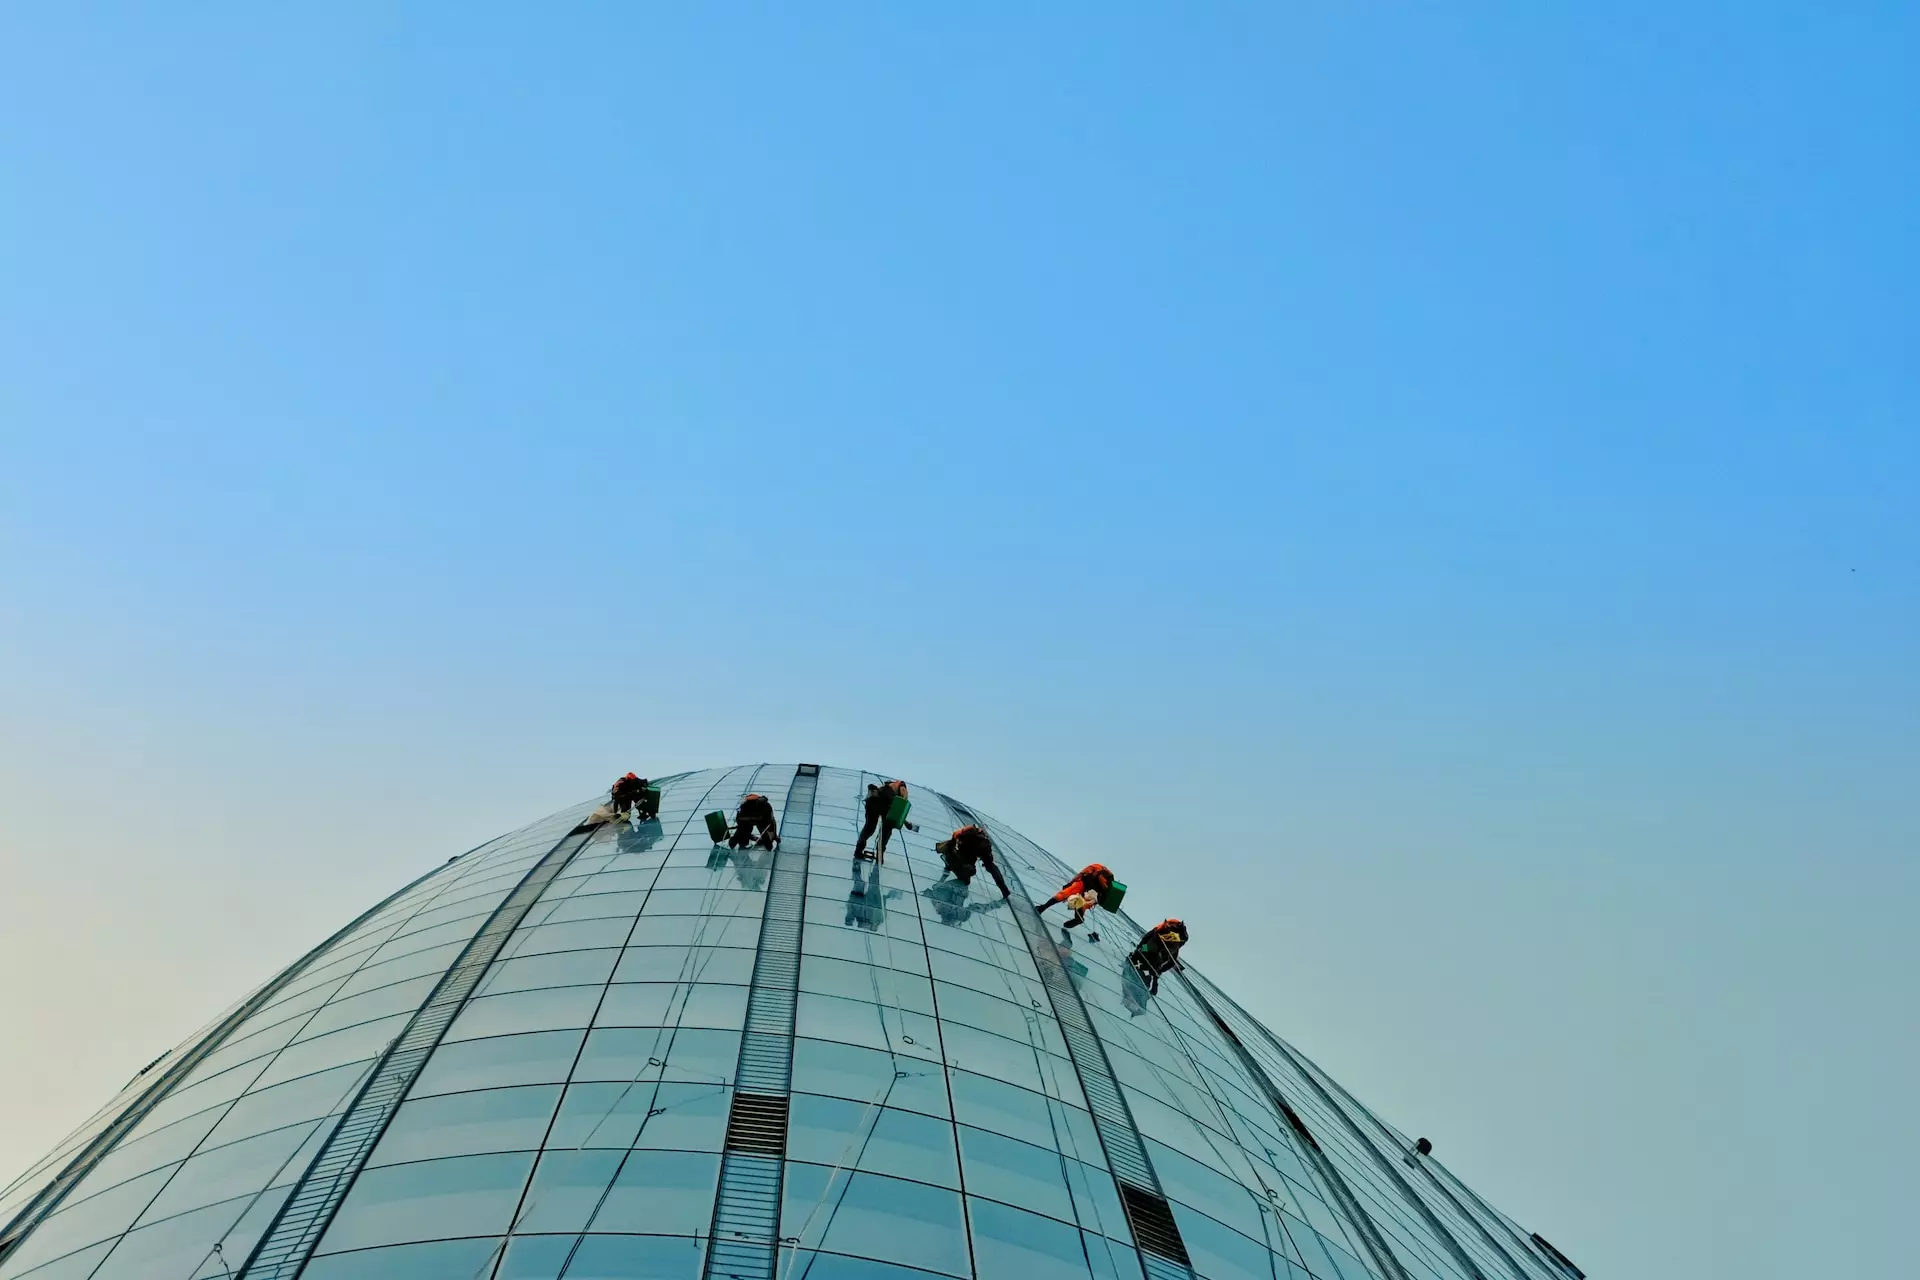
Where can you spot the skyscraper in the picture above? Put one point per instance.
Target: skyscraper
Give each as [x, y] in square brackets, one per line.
[594, 1051]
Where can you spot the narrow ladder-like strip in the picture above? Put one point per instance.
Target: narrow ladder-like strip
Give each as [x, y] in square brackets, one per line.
[1162, 1250]
[290, 1239]
[746, 1210]
[1370, 1238]
[50, 1196]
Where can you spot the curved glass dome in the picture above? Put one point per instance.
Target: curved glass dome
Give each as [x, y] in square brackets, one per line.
[608, 1051]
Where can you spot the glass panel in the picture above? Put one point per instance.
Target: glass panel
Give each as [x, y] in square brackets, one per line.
[354, 1044]
[651, 1192]
[685, 1117]
[669, 931]
[1212, 1193]
[866, 1075]
[833, 1266]
[188, 1100]
[567, 1188]
[1003, 1017]
[620, 1053]
[248, 1226]
[222, 1173]
[837, 1132]
[175, 1246]
[75, 1266]
[577, 936]
[662, 1192]
[857, 1022]
[540, 1058]
[874, 984]
[164, 1146]
[705, 902]
[1014, 1172]
[1096, 1201]
[558, 969]
[1009, 1242]
[441, 1260]
[1219, 1251]
[594, 906]
[854, 945]
[686, 964]
[406, 961]
[666, 1004]
[460, 1124]
[604, 1258]
[464, 1196]
[94, 1218]
[867, 1215]
[307, 1098]
[525, 1011]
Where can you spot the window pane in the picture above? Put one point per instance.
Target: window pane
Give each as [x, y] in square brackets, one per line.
[866, 1075]
[540, 1058]
[686, 964]
[548, 1010]
[834, 1266]
[557, 969]
[353, 1044]
[1014, 1172]
[683, 1117]
[239, 1168]
[604, 1258]
[660, 1192]
[577, 936]
[867, 1215]
[667, 1004]
[441, 1260]
[465, 1196]
[623, 1053]
[835, 1131]
[1010, 1242]
[95, 1218]
[460, 1124]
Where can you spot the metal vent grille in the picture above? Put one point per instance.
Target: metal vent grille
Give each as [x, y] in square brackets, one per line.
[1153, 1225]
[757, 1124]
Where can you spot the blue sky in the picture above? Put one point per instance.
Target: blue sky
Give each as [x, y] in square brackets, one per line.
[1430, 496]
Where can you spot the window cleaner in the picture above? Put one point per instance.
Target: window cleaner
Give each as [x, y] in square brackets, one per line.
[886, 808]
[965, 852]
[634, 795]
[1159, 951]
[1094, 885]
[753, 821]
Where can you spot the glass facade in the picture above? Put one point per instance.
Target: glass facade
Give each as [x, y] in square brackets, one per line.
[622, 1051]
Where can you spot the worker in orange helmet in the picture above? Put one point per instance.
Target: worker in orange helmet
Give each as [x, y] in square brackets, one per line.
[632, 791]
[754, 821]
[880, 798]
[1081, 893]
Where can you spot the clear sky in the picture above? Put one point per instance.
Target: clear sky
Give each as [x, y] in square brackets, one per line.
[1431, 497]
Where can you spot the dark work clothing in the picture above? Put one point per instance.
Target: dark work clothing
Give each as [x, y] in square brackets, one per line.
[1159, 951]
[754, 818]
[966, 852]
[879, 800]
[631, 792]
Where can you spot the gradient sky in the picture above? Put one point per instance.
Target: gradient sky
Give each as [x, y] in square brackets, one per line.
[1432, 498]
